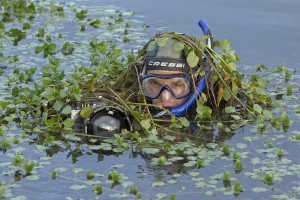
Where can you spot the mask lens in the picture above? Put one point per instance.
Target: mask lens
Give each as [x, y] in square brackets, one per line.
[179, 86]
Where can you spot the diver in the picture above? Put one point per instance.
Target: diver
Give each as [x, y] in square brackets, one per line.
[168, 79]
[165, 79]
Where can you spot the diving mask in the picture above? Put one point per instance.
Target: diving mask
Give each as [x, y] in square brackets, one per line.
[180, 85]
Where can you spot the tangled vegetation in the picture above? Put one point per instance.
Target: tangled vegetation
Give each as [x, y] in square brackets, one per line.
[38, 99]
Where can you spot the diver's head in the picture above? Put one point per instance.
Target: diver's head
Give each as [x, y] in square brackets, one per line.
[167, 78]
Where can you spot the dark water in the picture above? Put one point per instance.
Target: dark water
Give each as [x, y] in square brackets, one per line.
[261, 33]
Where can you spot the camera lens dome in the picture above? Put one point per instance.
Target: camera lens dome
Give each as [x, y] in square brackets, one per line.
[107, 121]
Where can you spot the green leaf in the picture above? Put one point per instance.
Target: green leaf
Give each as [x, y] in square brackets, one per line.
[269, 178]
[230, 109]
[68, 122]
[267, 114]
[162, 41]
[81, 15]
[297, 109]
[263, 98]
[95, 23]
[158, 184]
[67, 110]
[150, 150]
[262, 83]
[37, 130]
[232, 66]
[78, 187]
[184, 122]
[227, 175]
[216, 43]
[170, 137]
[29, 166]
[260, 91]
[146, 124]
[286, 121]
[235, 89]
[237, 187]
[57, 105]
[151, 45]
[137, 114]
[77, 170]
[49, 122]
[38, 49]
[289, 90]
[236, 117]
[118, 166]
[86, 111]
[178, 46]
[259, 189]
[225, 44]
[33, 177]
[257, 108]
[226, 94]
[203, 112]
[192, 59]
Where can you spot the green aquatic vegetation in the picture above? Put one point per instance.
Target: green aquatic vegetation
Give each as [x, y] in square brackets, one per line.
[235, 156]
[280, 152]
[133, 190]
[48, 49]
[96, 23]
[269, 178]
[60, 10]
[114, 176]
[237, 188]
[226, 149]
[40, 33]
[82, 27]
[161, 160]
[90, 175]
[98, 189]
[226, 175]
[19, 9]
[42, 108]
[67, 49]
[17, 35]
[54, 174]
[18, 161]
[6, 144]
[81, 15]
[26, 26]
[238, 165]
[28, 167]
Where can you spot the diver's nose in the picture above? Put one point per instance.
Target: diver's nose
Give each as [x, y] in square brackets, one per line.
[166, 95]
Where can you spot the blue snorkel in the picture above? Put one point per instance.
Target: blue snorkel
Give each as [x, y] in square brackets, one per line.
[179, 110]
